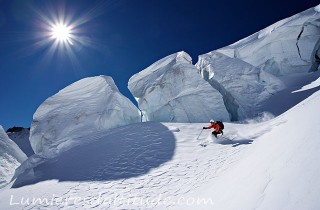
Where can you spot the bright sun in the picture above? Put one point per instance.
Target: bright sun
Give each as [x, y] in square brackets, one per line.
[61, 33]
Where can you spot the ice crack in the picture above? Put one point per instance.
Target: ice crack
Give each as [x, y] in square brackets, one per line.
[297, 43]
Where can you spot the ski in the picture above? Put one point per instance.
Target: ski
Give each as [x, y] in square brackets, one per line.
[219, 138]
[203, 145]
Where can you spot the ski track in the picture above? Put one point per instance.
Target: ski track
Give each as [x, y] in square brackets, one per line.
[171, 180]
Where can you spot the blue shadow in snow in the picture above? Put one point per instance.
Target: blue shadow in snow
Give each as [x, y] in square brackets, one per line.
[124, 152]
[235, 143]
[287, 98]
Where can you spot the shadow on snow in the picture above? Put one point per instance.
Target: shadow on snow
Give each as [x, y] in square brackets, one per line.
[235, 143]
[287, 98]
[124, 152]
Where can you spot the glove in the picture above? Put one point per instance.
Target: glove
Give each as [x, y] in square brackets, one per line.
[204, 128]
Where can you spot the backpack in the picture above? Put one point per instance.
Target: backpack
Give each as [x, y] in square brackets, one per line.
[220, 124]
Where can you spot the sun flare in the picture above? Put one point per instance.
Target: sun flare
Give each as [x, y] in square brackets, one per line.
[61, 33]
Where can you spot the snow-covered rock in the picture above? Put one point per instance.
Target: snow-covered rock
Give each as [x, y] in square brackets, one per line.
[171, 90]
[83, 108]
[288, 46]
[11, 157]
[21, 138]
[242, 85]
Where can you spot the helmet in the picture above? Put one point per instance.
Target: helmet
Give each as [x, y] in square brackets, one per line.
[211, 120]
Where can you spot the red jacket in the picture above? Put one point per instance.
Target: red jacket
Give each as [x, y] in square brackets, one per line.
[215, 126]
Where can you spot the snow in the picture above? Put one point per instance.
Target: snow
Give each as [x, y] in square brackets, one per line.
[288, 98]
[286, 47]
[11, 157]
[170, 90]
[242, 85]
[85, 160]
[312, 85]
[243, 76]
[252, 73]
[280, 171]
[88, 106]
[143, 160]
[21, 138]
[265, 165]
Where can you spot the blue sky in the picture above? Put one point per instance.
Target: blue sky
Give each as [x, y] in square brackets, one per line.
[119, 38]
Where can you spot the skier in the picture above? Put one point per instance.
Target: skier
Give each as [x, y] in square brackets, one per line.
[217, 126]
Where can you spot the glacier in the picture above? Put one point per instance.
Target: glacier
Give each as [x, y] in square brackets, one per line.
[171, 90]
[242, 76]
[242, 85]
[21, 138]
[11, 156]
[286, 47]
[250, 71]
[86, 107]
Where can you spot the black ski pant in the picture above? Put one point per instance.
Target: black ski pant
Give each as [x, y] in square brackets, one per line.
[215, 133]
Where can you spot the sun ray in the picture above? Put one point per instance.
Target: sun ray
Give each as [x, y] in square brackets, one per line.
[63, 32]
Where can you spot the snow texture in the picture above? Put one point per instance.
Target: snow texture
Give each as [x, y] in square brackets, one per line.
[279, 171]
[171, 90]
[137, 148]
[87, 106]
[11, 157]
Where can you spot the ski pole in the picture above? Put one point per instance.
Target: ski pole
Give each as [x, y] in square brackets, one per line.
[199, 134]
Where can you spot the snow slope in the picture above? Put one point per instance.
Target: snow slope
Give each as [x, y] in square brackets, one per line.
[267, 165]
[11, 157]
[87, 106]
[141, 161]
[280, 171]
